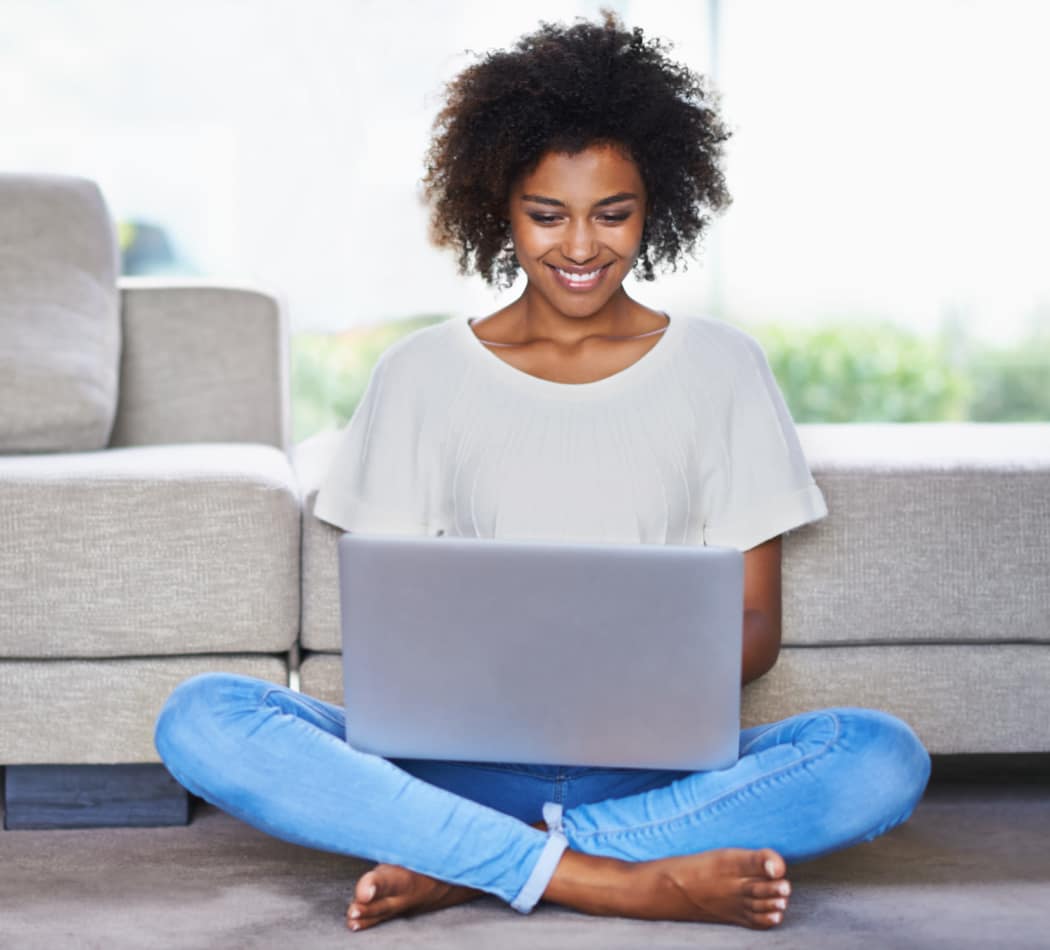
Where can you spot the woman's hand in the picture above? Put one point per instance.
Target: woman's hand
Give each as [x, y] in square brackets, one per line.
[761, 609]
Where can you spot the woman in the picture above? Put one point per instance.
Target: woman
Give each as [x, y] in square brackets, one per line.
[574, 412]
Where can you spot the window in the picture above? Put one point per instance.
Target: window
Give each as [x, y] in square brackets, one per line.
[887, 165]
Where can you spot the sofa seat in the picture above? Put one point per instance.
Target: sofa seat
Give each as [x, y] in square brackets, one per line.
[149, 551]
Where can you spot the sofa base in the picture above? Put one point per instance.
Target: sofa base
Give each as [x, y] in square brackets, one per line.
[101, 711]
[92, 796]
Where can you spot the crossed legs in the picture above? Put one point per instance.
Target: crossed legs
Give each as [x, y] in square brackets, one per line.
[700, 846]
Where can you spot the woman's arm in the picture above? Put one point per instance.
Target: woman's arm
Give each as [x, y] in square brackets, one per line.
[761, 609]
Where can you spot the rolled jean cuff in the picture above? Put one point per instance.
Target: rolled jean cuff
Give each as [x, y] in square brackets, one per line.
[542, 872]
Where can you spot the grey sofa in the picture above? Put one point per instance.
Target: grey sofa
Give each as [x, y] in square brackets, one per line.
[155, 522]
[925, 592]
[149, 513]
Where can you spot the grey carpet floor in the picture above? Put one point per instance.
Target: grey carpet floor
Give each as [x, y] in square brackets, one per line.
[970, 869]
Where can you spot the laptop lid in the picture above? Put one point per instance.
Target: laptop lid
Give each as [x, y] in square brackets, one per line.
[616, 655]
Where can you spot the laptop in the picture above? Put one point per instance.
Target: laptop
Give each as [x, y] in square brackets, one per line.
[545, 652]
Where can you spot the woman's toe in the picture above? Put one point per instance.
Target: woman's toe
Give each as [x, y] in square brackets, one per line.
[768, 905]
[379, 908]
[766, 920]
[363, 923]
[761, 889]
[367, 888]
[772, 864]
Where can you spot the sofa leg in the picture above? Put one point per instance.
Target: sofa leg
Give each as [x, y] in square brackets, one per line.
[92, 796]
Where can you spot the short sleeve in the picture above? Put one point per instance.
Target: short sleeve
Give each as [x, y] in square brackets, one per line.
[764, 487]
[374, 483]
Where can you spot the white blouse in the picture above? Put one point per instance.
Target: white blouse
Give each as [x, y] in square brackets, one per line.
[691, 444]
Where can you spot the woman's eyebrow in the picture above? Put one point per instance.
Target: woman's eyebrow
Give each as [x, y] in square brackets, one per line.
[611, 200]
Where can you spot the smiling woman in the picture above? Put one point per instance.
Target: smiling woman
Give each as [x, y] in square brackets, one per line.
[580, 155]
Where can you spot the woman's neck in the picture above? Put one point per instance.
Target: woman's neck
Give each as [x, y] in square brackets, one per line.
[531, 319]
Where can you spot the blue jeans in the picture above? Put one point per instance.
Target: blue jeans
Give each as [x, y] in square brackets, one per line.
[278, 760]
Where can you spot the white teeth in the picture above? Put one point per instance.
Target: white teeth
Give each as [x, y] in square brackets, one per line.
[579, 278]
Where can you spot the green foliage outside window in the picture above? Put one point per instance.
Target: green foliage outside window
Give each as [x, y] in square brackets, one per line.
[330, 371]
[840, 371]
[864, 373]
[1013, 383]
[880, 372]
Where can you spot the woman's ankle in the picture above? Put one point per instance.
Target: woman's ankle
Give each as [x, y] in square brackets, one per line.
[586, 882]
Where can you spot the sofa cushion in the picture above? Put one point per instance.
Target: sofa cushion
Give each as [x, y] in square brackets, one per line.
[167, 549]
[59, 315]
[936, 533]
[201, 363]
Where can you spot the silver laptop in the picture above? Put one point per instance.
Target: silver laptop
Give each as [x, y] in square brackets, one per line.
[496, 650]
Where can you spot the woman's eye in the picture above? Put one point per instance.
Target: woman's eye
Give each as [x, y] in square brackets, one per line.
[555, 218]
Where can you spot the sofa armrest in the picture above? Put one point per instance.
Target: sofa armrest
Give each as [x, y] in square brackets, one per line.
[202, 363]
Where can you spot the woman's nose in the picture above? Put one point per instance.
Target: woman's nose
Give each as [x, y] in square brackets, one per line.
[580, 245]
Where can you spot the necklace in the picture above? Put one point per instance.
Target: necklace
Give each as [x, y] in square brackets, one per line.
[637, 337]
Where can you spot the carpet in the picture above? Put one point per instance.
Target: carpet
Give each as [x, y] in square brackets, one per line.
[971, 869]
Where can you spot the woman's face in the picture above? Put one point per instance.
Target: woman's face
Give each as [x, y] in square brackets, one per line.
[576, 222]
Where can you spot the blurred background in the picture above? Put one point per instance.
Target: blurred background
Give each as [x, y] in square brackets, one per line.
[887, 241]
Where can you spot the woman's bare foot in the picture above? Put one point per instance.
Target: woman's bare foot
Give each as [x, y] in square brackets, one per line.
[400, 892]
[729, 886]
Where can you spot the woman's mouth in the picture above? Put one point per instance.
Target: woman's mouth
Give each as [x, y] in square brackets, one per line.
[580, 281]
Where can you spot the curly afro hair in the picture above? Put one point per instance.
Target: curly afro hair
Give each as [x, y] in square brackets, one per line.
[562, 89]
